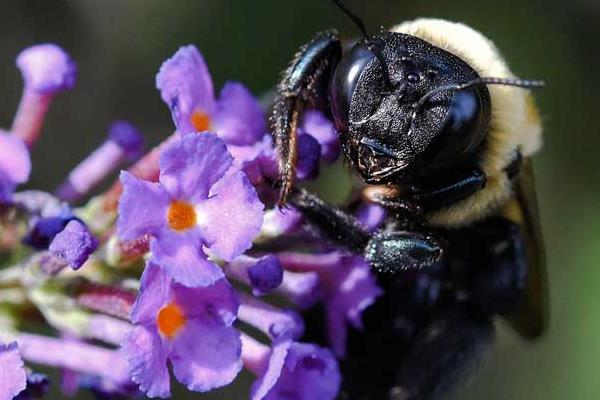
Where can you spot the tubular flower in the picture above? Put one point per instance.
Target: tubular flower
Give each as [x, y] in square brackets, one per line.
[124, 143]
[346, 286]
[186, 87]
[190, 327]
[15, 164]
[291, 370]
[47, 70]
[194, 205]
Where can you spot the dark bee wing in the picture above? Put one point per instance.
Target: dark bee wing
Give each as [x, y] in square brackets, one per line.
[531, 317]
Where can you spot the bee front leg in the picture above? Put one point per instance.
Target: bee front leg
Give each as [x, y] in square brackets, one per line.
[388, 251]
[304, 84]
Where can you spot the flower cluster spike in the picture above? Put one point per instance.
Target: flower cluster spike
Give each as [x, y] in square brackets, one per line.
[180, 268]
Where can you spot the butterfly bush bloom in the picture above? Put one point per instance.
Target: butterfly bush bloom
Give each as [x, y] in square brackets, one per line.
[194, 205]
[191, 327]
[193, 209]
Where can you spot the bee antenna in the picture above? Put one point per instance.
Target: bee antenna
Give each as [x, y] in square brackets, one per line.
[522, 83]
[373, 45]
[355, 18]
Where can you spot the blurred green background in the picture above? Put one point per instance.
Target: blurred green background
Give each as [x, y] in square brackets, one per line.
[119, 45]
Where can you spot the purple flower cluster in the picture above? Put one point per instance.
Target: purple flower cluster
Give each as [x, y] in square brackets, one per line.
[196, 220]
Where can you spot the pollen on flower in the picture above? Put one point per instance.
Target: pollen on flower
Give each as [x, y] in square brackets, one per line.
[170, 320]
[200, 121]
[181, 215]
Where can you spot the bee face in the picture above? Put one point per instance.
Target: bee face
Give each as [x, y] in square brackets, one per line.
[385, 134]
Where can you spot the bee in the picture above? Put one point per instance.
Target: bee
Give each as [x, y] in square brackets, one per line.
[441, 132]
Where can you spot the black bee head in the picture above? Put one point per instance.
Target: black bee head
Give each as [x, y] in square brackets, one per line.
[392, 126]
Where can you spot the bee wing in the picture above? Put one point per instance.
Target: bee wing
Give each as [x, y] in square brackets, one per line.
[531, 317]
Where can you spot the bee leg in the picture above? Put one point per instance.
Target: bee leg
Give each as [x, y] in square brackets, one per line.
[303, 84]
[442, 354]
[340, 227]
[386, 251]
[395, 251]
[435, 192]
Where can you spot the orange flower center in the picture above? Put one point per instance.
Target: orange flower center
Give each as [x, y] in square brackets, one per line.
[170, 320]
[181, 216]
[200, 121]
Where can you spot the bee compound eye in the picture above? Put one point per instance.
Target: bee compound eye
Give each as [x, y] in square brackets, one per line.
[348, 79]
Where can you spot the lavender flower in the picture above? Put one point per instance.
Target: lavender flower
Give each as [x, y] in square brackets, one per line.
[191, 327]
[291, 370]
[186, 87]
[46, 70]
[124, 143]
[194, 205]
[15, 165]
[13, 379]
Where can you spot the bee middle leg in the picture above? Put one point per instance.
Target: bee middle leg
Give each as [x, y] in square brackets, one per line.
[391, 251]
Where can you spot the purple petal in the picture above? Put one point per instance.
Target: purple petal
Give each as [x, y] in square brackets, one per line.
[261, 388]
[371, 216]
[298, 371]
[318, 126]
[46, 68]
[272, 321]
[280, 221]
[257, 160]
[13, 379]
[74, 244]
[15, 164]
[180, 254]
[309, 152]
[147, 357]
[211, 362]
[155, 291]
[186, 86]
[43, 230]
[238, 118]
[300, 288]
[231, 218]
[351, 288]
[192, 164]
[67, 353]
[128, 137]
[142, 208]
[217, 302]
[265, 275]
